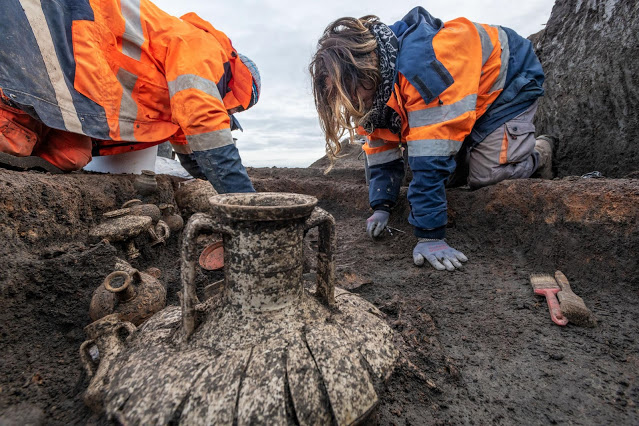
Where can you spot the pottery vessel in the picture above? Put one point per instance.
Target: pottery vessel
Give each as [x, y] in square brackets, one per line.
[130, 294]
[138, 208]
[174, 221]
[120, 226]
[262, 349]
[192, 196]
[107, 337]
[159, 233]
[146, 183]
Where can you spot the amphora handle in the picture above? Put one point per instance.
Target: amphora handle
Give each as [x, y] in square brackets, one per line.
[325, 255]
[105, 326]
[198, 223]
[87, 361]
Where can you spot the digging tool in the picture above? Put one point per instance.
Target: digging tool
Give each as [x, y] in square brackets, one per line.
[391, 230]
[545, 285]
[573, 306]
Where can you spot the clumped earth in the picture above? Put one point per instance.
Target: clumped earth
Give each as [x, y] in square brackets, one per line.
[477, 346]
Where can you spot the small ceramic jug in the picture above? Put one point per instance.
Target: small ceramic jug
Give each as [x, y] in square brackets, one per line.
[145, 183]
[171, 218]
[130, 294]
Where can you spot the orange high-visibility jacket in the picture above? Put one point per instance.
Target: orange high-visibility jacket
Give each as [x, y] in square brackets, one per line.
[455, 82]
[122, 71]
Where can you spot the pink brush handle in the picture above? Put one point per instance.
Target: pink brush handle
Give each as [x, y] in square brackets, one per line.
[553, 305]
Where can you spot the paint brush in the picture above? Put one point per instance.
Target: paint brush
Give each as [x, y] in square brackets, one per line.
[573, 306]
[545, 285]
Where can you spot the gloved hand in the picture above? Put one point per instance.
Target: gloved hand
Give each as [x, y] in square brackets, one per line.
[376, 223]
[438, 253]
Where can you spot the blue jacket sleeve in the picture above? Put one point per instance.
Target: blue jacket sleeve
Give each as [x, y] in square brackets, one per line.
[384, 185]
[427, 194]
[223, 168]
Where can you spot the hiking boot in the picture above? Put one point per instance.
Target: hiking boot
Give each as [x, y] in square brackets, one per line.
[544, 145]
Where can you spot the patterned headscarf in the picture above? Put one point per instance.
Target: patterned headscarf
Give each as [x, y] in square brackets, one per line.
[257, 83]
[382, 116]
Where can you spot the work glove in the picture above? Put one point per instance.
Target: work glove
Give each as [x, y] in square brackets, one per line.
[376, 223]
[438, 253]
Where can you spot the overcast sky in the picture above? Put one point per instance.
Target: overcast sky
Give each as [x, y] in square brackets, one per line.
[280, 36]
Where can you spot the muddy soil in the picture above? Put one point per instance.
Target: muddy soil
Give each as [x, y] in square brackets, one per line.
[477, 345]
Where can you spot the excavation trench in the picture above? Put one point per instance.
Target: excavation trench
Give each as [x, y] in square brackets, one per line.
[476, 345]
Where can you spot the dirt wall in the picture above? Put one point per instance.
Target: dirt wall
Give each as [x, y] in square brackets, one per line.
[590, 54]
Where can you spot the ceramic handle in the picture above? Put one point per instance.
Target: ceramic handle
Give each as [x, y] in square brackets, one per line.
[198, 223]
[90, 366]
[162, 230]
[325, 256]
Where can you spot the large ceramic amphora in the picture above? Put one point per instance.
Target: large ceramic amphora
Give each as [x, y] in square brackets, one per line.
[264, 350]
[263, 235]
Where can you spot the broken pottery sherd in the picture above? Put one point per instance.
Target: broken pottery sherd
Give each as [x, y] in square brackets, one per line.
[212, 257]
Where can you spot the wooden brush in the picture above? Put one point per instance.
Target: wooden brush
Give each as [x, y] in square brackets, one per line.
[545, 285]
[573, 306]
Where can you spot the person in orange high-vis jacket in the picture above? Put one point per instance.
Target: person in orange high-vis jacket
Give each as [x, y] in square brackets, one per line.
[86, 78]
[459, 96]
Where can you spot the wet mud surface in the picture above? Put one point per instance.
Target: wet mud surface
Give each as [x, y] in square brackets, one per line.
[477, 346]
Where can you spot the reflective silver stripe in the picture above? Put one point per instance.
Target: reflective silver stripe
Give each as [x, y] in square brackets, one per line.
[210, 140]
[180, 148]
[132, 41]
[384, 157]
[133, 37]
[442, 113]
[433, 147]
[35, 16]
[128, 108]
[486, 43]
[505, 55]
[191, 81]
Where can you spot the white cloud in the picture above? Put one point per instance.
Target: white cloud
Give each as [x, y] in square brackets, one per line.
[280, 37]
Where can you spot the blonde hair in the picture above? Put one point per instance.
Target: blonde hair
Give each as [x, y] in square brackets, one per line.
[345, 59]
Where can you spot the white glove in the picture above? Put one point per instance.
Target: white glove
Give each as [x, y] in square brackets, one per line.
[376, 223]
[437, 253]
